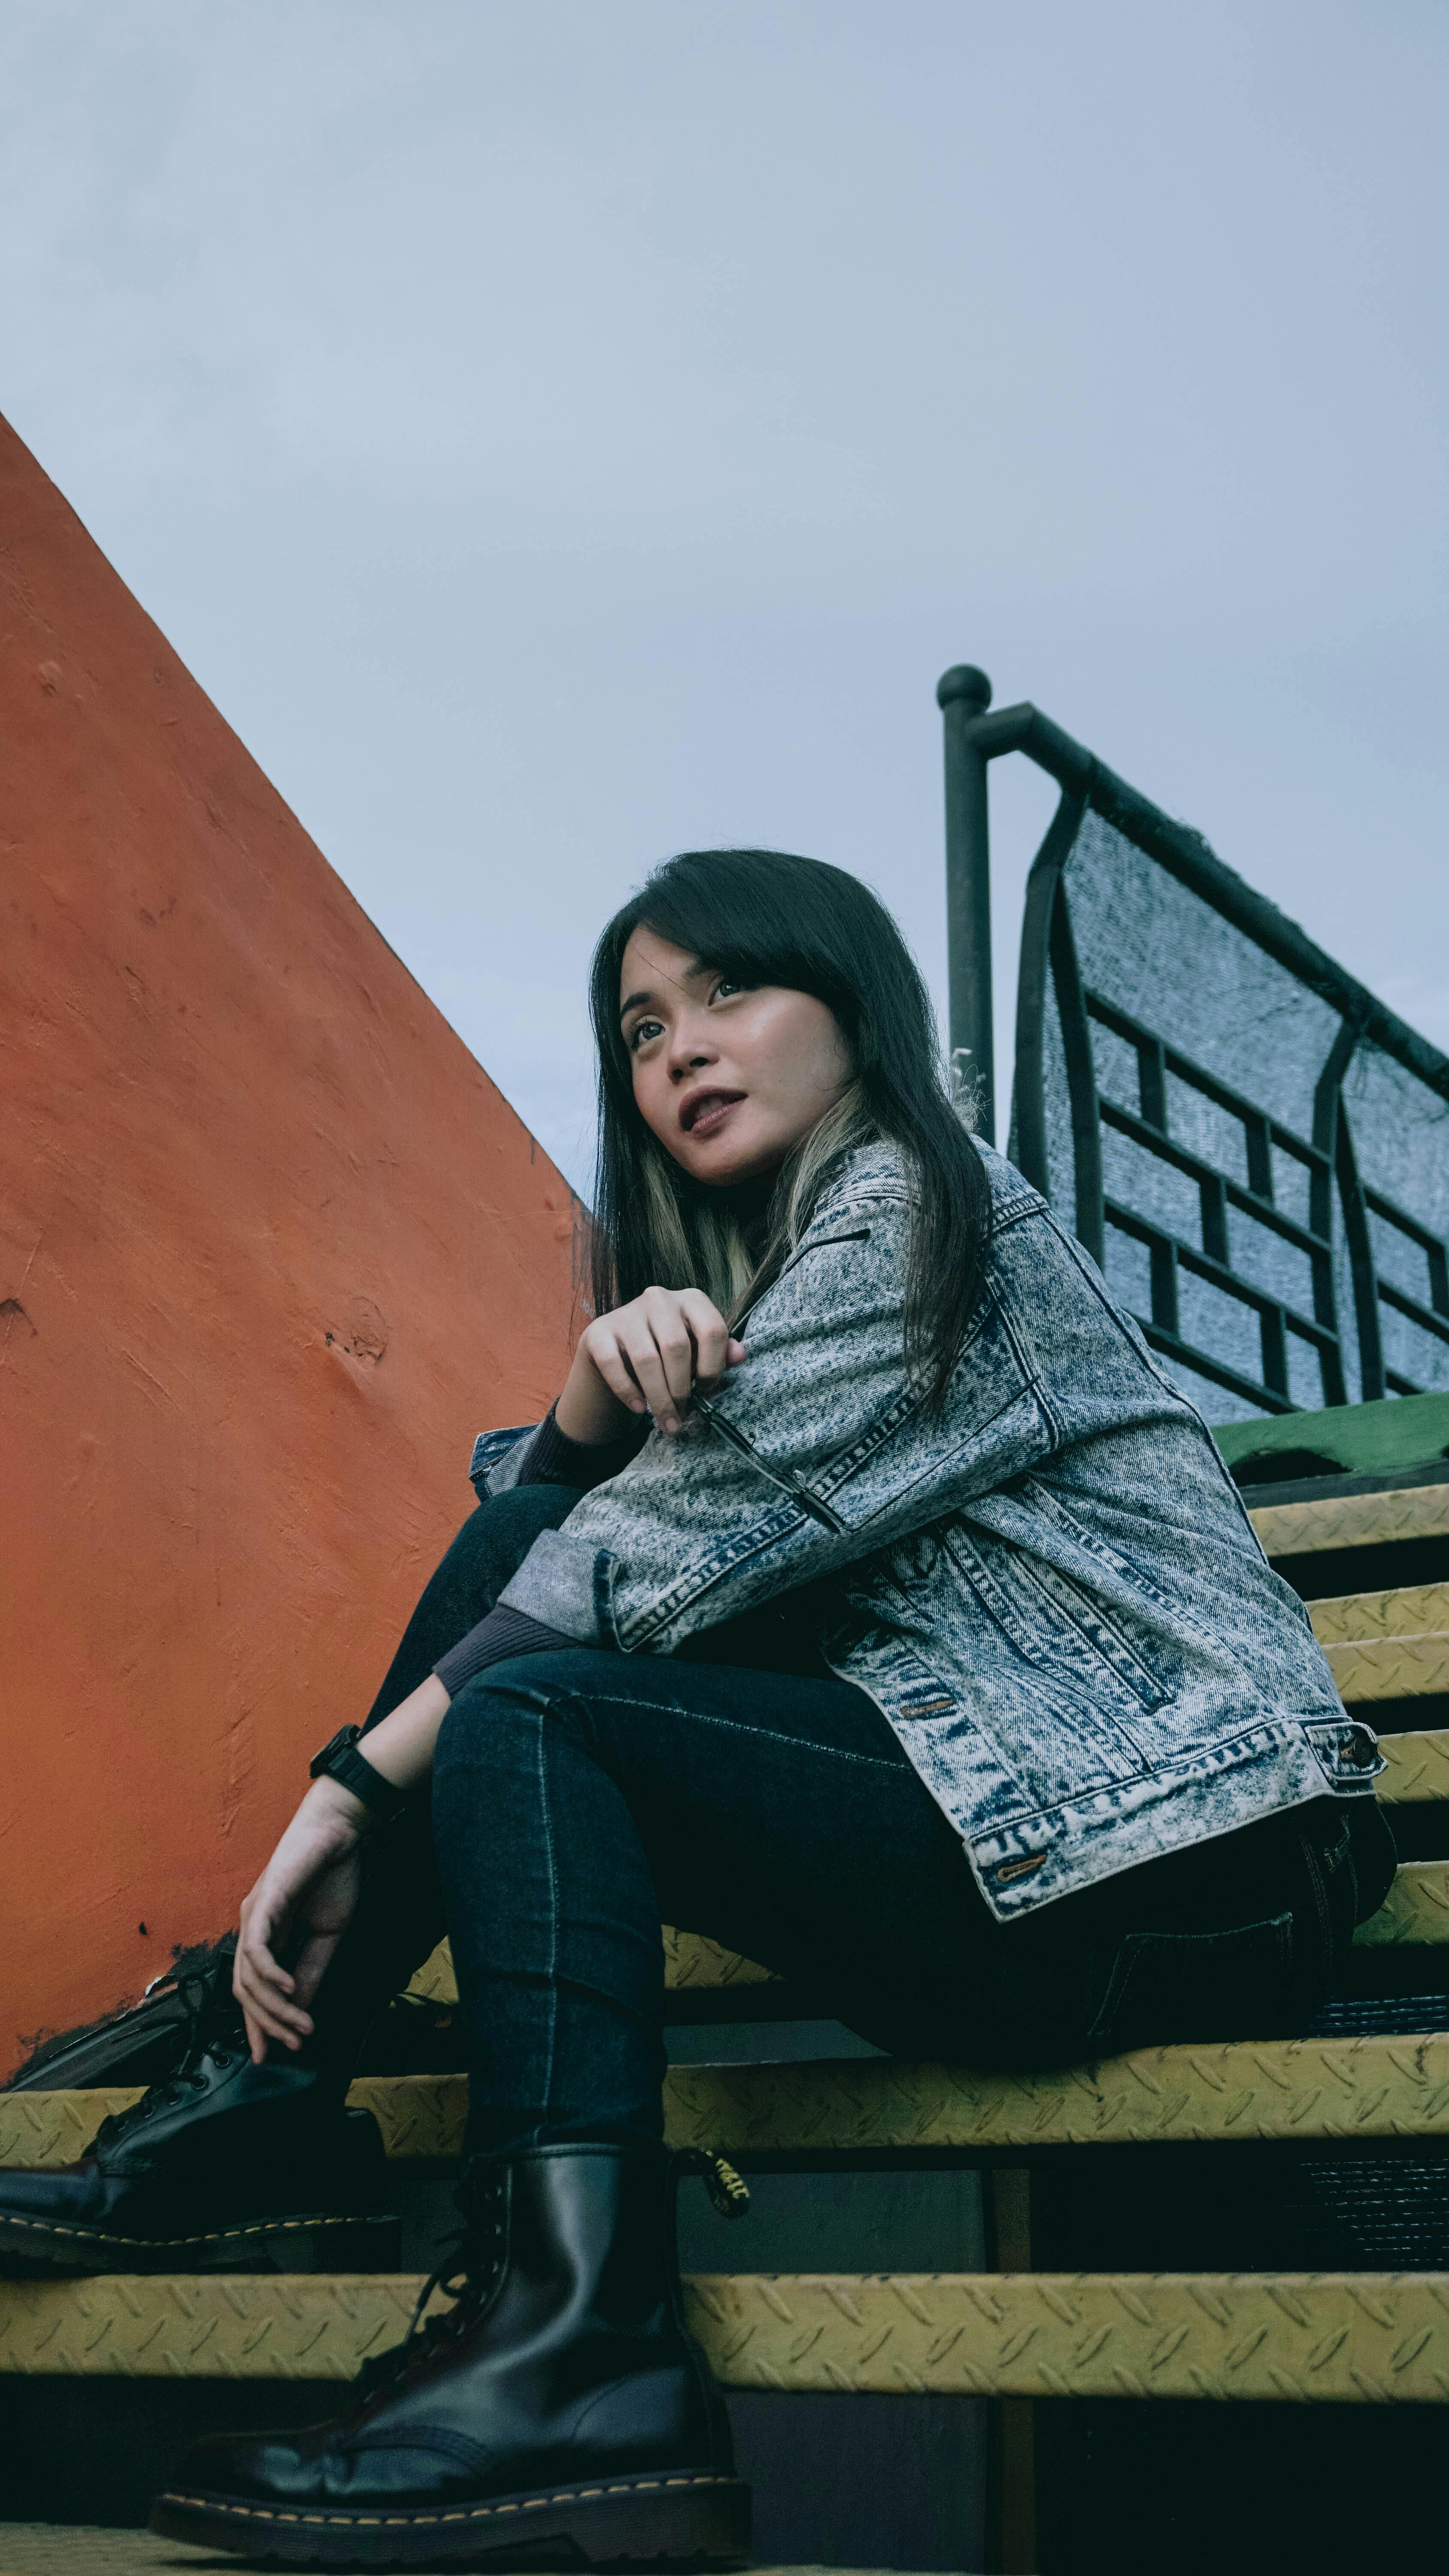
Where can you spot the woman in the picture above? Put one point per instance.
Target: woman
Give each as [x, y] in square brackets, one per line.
[870, 1601]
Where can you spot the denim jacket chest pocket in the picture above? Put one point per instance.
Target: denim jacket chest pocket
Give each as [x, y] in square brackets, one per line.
[1054, 1623]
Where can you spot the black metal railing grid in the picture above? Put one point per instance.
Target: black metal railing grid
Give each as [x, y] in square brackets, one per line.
[1082, 1050]
[1211, 1259]
[1327, 1159]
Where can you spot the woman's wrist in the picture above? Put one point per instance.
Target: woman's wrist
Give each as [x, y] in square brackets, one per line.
[400, 1748]
[587, 1411]
[328, 1804]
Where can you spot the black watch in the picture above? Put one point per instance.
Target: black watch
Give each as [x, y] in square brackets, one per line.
[340, 1760]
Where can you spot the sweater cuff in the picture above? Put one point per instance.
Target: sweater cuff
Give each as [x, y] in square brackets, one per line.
[501, 1634]
[551, 1458]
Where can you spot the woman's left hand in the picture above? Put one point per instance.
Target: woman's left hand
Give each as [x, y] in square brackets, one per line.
[310, 1885]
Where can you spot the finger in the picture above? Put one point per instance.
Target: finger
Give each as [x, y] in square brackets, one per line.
[613, 1368]
[737, 1354]
[700, 1311]
[262, 1965]
[676, 1357]
[264, 2020]
[262, 1935]
[266, 1989]
[711, 1336]
[259, 2039]
[642, 1354]
[268, 2018]
[673, 1339]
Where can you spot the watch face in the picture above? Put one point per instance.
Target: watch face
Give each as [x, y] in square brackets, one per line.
[345, 1737]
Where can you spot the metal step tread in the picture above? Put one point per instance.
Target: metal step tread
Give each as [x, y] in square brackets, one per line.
[1390, 1668]
[1313, 1527]
[93, 2549]
[1417, 1766]
[1382, 2085]
[1357, 1618]
[1367, 2337]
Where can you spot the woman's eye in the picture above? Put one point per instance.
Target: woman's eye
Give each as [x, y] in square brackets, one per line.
[725, 988]
[641, 1032]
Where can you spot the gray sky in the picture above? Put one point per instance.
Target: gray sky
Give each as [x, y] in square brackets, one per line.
[557, 433]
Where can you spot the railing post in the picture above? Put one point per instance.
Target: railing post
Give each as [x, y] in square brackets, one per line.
[963, 693]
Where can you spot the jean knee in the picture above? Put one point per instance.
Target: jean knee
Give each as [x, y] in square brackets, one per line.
[490, 1712]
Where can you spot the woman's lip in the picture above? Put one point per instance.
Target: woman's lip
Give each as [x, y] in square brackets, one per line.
[714, 1107]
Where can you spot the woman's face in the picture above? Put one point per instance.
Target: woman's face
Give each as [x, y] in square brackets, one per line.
[728, 1076]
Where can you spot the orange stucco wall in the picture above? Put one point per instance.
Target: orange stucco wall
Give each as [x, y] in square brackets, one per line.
[272, 1248]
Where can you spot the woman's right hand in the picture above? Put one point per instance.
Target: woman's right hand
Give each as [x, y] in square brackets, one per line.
[649, 1356]
[309, 1886]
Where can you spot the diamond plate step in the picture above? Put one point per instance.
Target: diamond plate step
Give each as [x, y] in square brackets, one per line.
[690, 1961]
[1415, 1913]
[1385, 2086]
[1390, 1668]
[1417, 1766]
[90, 2549]
[1354, 1618]
[1353, 1520]
[1370, 2338]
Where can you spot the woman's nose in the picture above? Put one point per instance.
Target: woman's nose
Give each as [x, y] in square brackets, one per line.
[681, 1066]
[689, 1050]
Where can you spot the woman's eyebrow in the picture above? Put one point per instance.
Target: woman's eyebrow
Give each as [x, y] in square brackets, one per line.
[691, 975]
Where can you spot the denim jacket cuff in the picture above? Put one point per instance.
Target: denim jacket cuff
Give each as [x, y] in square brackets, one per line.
[498, 1458]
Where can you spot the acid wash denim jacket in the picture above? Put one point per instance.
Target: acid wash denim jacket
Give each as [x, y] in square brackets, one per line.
[1052, 1590]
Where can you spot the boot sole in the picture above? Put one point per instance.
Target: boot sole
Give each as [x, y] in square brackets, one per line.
[348, 2242]
[676, 2518]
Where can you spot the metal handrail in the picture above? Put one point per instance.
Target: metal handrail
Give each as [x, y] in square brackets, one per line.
[975, 735]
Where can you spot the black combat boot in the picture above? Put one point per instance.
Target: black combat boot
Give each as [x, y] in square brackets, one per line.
[558, 2412]
[141, 2044]
[220, 2164]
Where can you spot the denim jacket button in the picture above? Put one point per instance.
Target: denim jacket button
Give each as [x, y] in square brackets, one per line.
[1008, 1870]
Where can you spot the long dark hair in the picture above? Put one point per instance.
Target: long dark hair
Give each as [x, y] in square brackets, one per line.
[766, 917]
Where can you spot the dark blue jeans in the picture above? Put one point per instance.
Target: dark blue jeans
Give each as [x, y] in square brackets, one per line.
[581, 1799]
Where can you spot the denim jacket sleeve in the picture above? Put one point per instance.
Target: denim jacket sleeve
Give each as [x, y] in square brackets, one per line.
[813, 1455]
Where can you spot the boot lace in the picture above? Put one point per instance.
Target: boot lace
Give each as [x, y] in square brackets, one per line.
[467, 2274]
[728, 2190]
[214, 2030]
[472, 2263]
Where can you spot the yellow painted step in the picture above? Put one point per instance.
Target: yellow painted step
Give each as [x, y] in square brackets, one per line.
[689, 1961]
[1417, 1767]
[1390, 1668]
[1384, 2086]
[1360, 1618]
[91, 2549]
[1415, 1913]
[1369, 2338]
[1354, 1520]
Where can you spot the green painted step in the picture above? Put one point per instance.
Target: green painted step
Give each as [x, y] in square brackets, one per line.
[1387, 1439]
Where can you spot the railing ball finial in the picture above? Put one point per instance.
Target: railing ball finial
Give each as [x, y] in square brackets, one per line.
[963, 680]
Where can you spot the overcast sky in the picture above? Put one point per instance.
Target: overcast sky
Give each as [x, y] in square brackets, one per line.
[557, 432]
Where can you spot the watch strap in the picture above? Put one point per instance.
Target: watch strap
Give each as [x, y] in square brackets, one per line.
[340, 1760]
